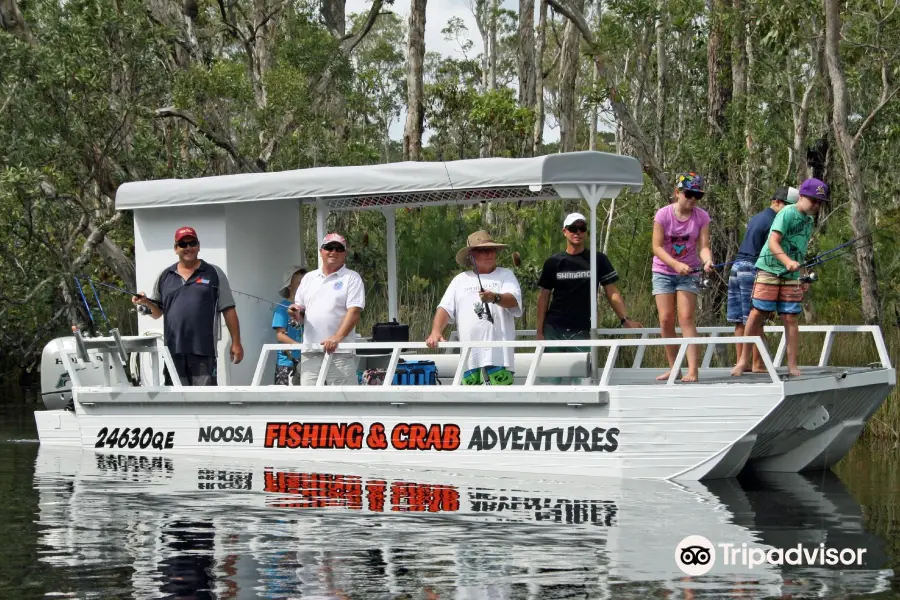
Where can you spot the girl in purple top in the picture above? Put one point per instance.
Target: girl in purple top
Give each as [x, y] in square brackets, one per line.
[679, 231]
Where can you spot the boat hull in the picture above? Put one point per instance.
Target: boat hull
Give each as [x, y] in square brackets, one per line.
[629, 432]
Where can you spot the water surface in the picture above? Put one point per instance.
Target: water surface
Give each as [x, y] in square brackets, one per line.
[101, 525]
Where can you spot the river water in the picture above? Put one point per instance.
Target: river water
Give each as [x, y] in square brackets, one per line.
[113, 525]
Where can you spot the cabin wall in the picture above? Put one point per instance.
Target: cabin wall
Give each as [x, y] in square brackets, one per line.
[254, 243]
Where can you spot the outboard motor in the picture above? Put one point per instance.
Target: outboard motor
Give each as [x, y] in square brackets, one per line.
[56, 385]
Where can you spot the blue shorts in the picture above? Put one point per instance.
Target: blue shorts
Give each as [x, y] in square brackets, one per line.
[669, 284]
[740, 291]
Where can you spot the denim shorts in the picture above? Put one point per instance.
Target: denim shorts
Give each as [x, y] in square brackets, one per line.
[669, 284]
[740, 291]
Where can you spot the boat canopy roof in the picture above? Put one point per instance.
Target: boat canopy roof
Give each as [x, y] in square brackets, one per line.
[554, 176]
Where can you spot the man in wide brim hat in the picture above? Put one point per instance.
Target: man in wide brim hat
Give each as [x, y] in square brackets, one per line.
[479, 239]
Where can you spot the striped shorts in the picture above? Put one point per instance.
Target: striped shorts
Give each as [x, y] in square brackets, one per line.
[777, 294]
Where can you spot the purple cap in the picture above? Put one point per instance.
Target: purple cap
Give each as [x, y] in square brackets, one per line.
[815, 189]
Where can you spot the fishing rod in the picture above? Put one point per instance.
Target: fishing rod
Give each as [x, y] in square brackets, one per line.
[487, 309]
[819, 258]
[159, 304]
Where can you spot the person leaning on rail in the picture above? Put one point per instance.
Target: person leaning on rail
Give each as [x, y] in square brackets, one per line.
[191, 294]
[483, 302]
[329, 302]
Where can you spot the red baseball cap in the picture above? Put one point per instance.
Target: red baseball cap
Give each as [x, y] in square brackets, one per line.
[334, 237]
[184, 232]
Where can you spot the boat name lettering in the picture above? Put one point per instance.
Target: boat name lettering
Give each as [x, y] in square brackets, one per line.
[339, 436]
[553, 510]
[218, 479]
[134, 464]
[225, 434]
[319, 490]
[351, 436]
[135, 437]
[573, 438]
[416, 436]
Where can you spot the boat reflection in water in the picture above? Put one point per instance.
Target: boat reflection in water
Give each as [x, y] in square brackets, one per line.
[184, 527]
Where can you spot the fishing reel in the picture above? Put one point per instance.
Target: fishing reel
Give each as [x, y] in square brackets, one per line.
[705, 282]
[810, 277]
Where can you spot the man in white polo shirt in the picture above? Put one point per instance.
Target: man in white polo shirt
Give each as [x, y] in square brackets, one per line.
[329, 302]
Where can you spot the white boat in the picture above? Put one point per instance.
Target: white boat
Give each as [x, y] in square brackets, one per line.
[288, 529]
[617, 421]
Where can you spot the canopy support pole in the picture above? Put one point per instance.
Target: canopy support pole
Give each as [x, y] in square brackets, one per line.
[301, 260]
[321, 220]
[593, 193]
[390, 214]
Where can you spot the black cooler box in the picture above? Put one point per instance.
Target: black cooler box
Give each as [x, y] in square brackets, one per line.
[387, 332]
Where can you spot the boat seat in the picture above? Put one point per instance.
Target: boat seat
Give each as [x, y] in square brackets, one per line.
[553, 364]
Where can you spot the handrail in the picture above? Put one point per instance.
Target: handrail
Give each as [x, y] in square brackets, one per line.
[539, 346]
[715, 331]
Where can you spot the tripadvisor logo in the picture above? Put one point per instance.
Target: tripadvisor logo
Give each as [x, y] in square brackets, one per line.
[695, 555]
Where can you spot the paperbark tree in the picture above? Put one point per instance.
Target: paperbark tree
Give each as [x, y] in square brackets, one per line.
[568, 75]
[415, 104]
[537, 138]
[847, 143]
[526, 60]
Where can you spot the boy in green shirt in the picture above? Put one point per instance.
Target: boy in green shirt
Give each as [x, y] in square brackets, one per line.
[777, 287]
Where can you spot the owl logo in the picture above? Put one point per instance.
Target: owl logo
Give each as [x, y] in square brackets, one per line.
[680, 250]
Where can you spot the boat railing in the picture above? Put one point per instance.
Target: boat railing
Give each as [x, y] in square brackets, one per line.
[539, 348]
[715, 332]
[114, 351]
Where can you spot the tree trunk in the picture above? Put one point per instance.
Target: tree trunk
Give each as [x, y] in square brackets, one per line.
[661, 64]
[492, 34]
[334, 13]
[568, 74]
[415, 104]
[525, 62]
[859, 218]
[11, 20]
[538, 134]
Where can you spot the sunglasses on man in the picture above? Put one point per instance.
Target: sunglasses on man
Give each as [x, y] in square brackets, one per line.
[577, 228]
[188, 244]
[333, 248]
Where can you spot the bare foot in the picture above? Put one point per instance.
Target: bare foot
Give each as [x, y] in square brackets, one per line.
[794, 372]
[691, 377]
[665, 376]
[738, 370]
[759, 370]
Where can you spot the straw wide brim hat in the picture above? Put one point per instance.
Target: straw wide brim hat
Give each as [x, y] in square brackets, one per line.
[479, 239]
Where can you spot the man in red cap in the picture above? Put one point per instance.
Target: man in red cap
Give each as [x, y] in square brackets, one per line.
[329, 302]
[191, 294]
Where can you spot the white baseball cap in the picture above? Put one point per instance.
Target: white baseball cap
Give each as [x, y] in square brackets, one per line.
[574, 217]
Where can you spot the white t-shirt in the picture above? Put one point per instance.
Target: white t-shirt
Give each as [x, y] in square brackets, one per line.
[466, 309]
[327, 299]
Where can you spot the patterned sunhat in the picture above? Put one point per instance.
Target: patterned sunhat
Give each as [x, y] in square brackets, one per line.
[689, 181]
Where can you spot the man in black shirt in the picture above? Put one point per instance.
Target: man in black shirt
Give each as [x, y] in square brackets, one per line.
[191, 294]
[567, 316]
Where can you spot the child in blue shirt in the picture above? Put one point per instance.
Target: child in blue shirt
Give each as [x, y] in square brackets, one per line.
[286, 331]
